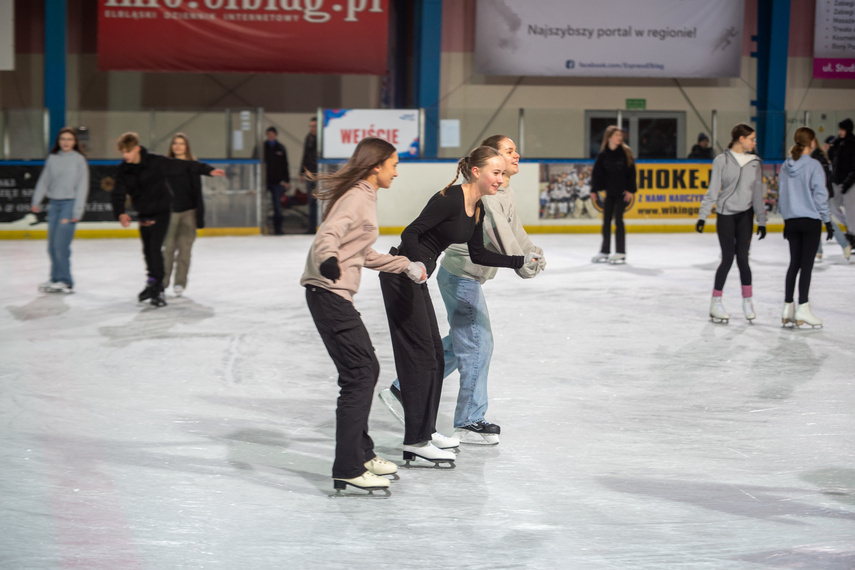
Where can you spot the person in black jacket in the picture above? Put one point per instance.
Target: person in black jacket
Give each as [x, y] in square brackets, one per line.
[843, 169]
[702, 150]
[819, 155]
[188, 215]
[143, 176]
[278, 177]
[309, 165]
[614, 173]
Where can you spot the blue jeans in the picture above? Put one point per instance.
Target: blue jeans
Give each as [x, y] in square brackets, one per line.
[60, 232]
[469, 346]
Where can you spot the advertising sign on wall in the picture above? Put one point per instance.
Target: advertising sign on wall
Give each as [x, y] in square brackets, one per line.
[610, 38]
[344, 128]
[255, 36]
[834, 39]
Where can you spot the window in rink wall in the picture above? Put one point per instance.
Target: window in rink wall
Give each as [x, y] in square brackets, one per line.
[650, 134]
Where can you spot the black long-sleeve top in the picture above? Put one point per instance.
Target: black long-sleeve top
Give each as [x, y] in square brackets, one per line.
[146, 183]
[613, 173]
[442, 222]
[843, 162]
[187, 195]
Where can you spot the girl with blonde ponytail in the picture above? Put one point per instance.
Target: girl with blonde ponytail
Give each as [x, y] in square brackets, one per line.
[453, 215]
[803, 203]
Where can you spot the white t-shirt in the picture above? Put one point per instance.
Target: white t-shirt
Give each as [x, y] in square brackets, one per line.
[742, 158]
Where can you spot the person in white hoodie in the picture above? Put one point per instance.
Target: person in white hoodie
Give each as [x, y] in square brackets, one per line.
[803, 203]
[65, 181]
[468, 347]
[736, 190]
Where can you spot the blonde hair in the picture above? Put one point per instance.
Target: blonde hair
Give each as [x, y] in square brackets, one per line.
[476, 159]
[610, 130]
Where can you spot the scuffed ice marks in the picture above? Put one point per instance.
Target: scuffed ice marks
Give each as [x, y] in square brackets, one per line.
[151, 324]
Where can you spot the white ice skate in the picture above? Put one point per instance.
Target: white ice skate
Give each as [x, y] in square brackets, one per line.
[444, 441]
[380, 466]
[59, 287]
[178, 290]
[600, 258]
[441, 458]
[804, 316]
[43, 287]
[617, 259]
[393, 402]
[717, 312]
[788, 315]
[847, 252]
[366, 482]
[748, 308]
[480, 433]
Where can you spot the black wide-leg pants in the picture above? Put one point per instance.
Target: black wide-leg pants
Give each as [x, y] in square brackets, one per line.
[349, 345]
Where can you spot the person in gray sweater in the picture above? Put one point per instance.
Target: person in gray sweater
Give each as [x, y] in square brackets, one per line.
[468, 347]
[803, 203]
[64, 180]
[736, 190]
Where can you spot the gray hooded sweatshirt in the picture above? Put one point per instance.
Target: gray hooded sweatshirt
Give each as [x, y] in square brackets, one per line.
[65, 176]
[503, 233]
[734, 189]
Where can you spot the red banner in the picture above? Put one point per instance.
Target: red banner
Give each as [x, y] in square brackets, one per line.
[247, 36]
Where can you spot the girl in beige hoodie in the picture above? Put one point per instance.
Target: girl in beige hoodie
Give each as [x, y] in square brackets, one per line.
[341, 248]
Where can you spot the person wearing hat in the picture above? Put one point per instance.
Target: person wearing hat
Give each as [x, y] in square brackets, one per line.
[843, 178]
[702, 150]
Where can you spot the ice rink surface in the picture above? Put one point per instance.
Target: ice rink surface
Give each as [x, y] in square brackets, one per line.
[635, 433]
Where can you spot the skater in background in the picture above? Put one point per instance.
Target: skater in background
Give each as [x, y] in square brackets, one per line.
[702, 150]
[736, 191]
[453, 215]
[64, 180]
[819, 154]
[803, 203]
[143, 175]
[309, 167]
[277, 175]
[468, 347]
[334, 265]
[843, 168]
[614, 173]
[188, 214]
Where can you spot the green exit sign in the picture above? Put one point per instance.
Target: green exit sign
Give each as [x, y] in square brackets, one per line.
[636, 104]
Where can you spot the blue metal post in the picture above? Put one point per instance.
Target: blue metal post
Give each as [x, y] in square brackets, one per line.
[773, 31]
[55, 64]
[428, 50]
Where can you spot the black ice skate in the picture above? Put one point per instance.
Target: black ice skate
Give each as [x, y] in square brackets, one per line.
[479, 433]
[159, 299]
[149, 291]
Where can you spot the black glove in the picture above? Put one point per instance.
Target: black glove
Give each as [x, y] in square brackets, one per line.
[761, 231]
[699, 227]
[830, 229]
[330, 269]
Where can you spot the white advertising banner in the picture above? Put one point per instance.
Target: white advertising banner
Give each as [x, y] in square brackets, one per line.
[7, 35]
[834, 39]
[344, 128]
[609, 38]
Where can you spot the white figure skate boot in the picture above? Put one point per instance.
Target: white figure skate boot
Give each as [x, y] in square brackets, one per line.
[788, 315]
[804, 316]
[380, 466]
[441, 458]
[748, 308]
[717, 312]
[617, 258]
[367, 482]
[600, 258]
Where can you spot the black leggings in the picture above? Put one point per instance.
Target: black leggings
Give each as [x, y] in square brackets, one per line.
[734, 235]
[613, 207]
[152, 237]
[804, 235]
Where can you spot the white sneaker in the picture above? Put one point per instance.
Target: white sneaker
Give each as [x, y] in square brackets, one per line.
[380, 466]
[748, 308]
[59, 287]
[443, 441]
[617, 258]
[717, 312]
[178, 290]
[430, 452]
[788, 315]
[804, 316]
[367, 482]
[600, 258]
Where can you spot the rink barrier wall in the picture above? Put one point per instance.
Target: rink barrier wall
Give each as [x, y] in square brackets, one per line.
[671, 188]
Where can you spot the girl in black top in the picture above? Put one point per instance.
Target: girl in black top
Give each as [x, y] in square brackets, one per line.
[614, 172]
[453, 215]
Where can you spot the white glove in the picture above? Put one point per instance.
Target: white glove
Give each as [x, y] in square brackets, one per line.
[532, 256]
[417, 272]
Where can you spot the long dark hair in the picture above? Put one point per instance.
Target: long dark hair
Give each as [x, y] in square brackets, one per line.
[802, 137]
[740, 130]
[370, 153]
[476, 159]
[610, 130]
[189, 152]
[72, 132]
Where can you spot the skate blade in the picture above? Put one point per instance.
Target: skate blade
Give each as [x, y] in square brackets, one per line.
[483, 441]
[807, 325]
[422, 463]
[383, 493]
[718, 320]
[392, 404]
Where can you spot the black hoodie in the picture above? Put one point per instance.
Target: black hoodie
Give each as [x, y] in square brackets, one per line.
[613, 173]
[146, 183]
[843, 161]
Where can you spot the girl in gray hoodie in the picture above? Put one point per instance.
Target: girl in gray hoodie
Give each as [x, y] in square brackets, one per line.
[803, 203]
[736, 190]
[64, 180]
